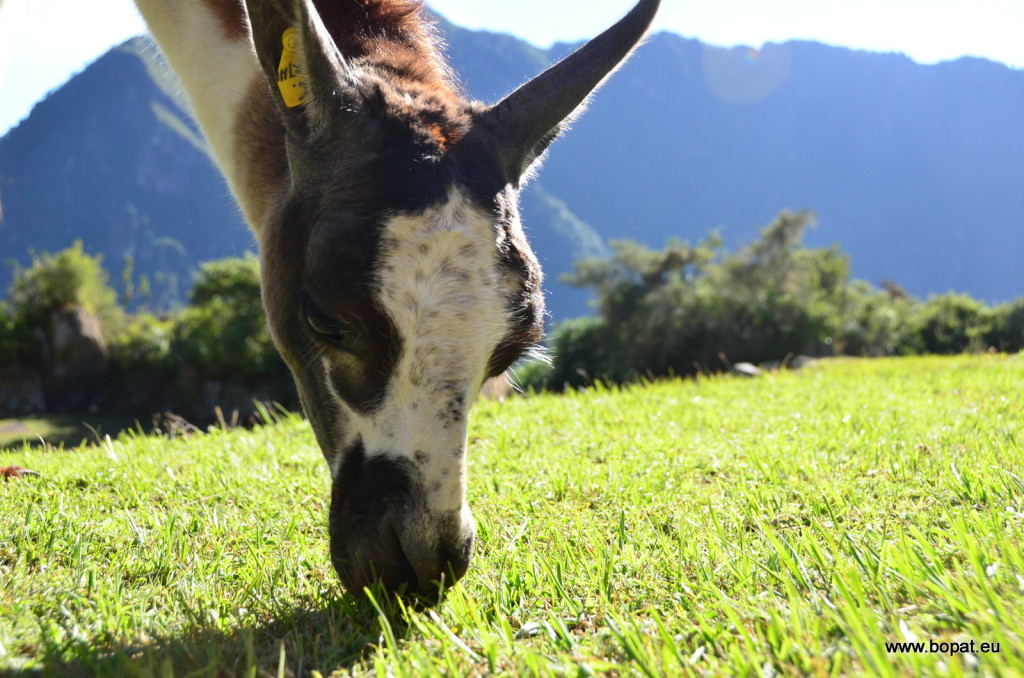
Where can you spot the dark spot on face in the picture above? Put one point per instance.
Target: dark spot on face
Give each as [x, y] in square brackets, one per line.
[361, 379]
[421, 457]
[374, 502]
[525, 309]
[515, 344]
[453, 410]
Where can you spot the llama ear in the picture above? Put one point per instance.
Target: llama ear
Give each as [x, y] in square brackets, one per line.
[530, 118]
[308, 77]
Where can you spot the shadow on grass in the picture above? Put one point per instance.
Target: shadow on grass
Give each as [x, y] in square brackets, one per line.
[69, 430]
[325, 635]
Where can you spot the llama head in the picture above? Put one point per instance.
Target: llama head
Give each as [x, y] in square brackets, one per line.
[396, 276]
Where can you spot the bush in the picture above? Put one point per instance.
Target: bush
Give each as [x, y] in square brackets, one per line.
[582, 352]
[691, 309]
[221, 342]
[875, 323]
[216, 349]
[952, 323]
[696, 308]
[54, 282]
[235, 280]
[18, 343]
[1006, 332]
[144, 341]
[71, 278]
[222, 333]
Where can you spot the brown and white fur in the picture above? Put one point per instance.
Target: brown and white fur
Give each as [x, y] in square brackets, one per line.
[396, 276]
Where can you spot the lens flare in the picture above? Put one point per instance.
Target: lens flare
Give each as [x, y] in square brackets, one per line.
[744, 75]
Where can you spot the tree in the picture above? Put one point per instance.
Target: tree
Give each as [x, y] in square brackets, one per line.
[685, 308]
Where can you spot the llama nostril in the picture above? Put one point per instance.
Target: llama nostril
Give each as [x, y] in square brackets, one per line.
[425, 569]
[445, 564]
[362, 559]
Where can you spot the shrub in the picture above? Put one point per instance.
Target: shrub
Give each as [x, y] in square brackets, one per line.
[694, 308]
[689, 309]
[59, 281]
[582, 352]
[952, 323]
[875, 323]
[236, 280]
[18, 343]
[1006, 332]
[222, 333]
[144, 341]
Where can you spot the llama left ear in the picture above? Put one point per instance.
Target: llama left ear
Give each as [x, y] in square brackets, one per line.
[529, 119]
[308, 77]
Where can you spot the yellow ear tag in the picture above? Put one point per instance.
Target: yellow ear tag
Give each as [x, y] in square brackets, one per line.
[291, 73]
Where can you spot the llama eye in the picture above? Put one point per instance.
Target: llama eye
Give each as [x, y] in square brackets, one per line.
[338, 333]
[325, 328]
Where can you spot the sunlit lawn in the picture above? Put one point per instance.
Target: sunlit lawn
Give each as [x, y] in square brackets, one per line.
[786, 525]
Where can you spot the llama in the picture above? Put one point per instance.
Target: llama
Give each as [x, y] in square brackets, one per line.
[395, 273]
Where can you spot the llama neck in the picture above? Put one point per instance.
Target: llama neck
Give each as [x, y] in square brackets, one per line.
[207, 46]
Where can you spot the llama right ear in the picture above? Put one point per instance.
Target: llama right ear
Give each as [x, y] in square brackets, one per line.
[308, 77]
[530, 118]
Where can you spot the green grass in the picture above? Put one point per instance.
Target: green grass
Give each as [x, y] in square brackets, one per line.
[787, 525]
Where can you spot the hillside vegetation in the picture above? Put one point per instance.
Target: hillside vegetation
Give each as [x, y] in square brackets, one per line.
[683, 310]
[698, 308]
[787, 525]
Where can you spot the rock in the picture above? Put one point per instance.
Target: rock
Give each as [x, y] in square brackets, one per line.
[746, 369]
[78, 359]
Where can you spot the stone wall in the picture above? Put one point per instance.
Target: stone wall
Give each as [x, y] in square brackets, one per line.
[21, 392]
[77, 375]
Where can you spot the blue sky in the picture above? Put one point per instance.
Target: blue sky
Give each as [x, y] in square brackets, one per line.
[38, 54]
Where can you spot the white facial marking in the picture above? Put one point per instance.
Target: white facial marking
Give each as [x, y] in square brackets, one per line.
[441, 287]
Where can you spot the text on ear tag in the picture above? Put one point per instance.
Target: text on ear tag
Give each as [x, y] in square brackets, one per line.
[291, 73]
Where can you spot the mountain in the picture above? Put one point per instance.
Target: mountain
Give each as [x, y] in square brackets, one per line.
[102, 159]
[916, 171]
